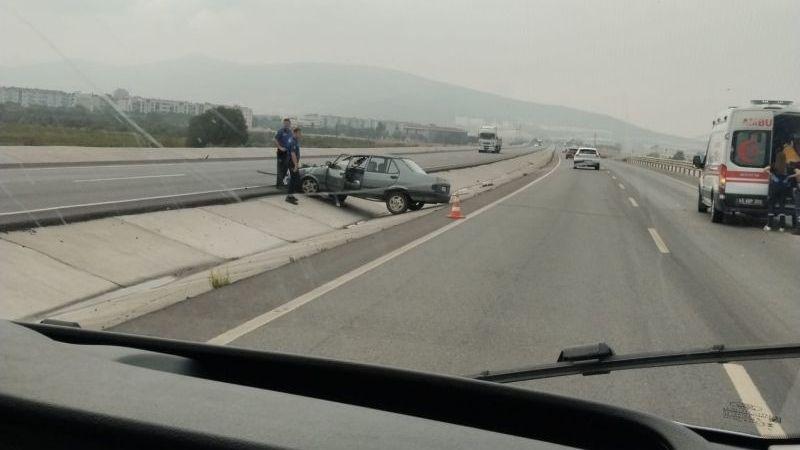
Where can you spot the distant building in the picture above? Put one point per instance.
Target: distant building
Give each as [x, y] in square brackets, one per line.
[128, 103]
[120, 97]
[330, 121]
[433, 133]
[36, 97]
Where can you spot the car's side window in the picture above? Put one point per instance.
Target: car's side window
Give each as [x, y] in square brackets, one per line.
[377, 164]
[393, 167]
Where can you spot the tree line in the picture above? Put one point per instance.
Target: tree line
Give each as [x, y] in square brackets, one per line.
[219, 126]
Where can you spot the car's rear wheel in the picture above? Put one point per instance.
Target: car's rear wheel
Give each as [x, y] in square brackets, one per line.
[717, 216]
[309, 186]
[416, 206]
[397, 202]
[701, 207]
[597, 167]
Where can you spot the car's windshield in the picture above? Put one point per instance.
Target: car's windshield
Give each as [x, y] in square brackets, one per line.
[432, 185]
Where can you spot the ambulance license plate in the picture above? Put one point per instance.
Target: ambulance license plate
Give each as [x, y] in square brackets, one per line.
[749, 201]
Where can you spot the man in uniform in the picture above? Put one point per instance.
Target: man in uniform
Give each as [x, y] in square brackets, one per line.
[281, 142]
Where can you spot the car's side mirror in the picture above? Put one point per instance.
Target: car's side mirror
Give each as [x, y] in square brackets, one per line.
[698, 162]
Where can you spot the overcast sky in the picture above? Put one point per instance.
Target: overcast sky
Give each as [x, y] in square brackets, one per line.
[665, 65]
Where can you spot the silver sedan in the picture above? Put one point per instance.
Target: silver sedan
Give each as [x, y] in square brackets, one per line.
[399, 182]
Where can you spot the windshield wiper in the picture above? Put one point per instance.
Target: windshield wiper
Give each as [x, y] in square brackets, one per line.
[600, 359]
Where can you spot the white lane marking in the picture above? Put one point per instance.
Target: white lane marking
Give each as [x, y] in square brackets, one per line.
[93, 180]
[54, 208]
[613, 177]
[662, 247]
[263, 319]
[633, 202]
[751, 397]
[622, 186]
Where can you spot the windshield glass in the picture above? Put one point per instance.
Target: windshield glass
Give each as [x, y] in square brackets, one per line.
[400, 183]
[725, 395]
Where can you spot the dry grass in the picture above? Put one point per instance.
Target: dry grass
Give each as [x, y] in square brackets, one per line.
[219, 279]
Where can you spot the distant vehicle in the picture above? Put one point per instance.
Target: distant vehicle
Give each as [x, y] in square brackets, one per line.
[399, 182]
[570, 153]
[489, 140]
[586, 157]
[743, 141]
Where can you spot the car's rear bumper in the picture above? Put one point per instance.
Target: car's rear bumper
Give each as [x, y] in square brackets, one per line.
[430, 197]
[586, 163]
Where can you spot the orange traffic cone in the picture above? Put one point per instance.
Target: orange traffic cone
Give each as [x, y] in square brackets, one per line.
[455, 208]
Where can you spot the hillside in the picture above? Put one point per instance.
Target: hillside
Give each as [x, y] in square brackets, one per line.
[348, 90]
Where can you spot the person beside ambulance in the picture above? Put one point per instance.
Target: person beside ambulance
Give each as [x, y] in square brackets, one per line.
[796, 195]
[780, 186]
[793, 168]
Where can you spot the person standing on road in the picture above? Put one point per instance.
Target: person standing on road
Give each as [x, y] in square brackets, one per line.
[281, 143]
[780, 185]
[793, 177]
[293, 162]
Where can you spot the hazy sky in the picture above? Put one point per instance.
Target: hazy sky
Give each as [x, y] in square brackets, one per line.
[665, 65]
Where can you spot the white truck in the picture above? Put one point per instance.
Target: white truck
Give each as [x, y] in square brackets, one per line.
[489, 140]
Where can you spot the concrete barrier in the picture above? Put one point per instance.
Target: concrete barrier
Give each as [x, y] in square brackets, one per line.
[104, 272]
[39, 156]
[36, 156]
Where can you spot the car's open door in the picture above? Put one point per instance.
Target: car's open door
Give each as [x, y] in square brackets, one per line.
[334, 174]
[354, 173]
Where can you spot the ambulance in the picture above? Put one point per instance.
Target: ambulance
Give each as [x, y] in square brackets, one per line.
[743, 141]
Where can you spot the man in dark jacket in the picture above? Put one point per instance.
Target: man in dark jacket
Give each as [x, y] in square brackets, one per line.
[281, 142]
[293, 163]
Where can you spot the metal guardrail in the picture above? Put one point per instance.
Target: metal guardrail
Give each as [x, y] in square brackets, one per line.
[667, 165]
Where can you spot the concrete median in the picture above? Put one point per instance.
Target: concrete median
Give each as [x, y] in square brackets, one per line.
[53, 156]
[125, 267]
[43, 207]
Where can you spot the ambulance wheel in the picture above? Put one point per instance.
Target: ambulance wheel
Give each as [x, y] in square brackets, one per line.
[701, 207]
[717, 216]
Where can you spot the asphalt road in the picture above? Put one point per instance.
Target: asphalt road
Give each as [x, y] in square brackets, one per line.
[31, 189]
[581, 256]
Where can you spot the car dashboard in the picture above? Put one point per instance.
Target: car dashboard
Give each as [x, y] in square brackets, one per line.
[64, 387]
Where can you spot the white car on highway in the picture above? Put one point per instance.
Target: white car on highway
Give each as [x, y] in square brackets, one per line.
[586, 157]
